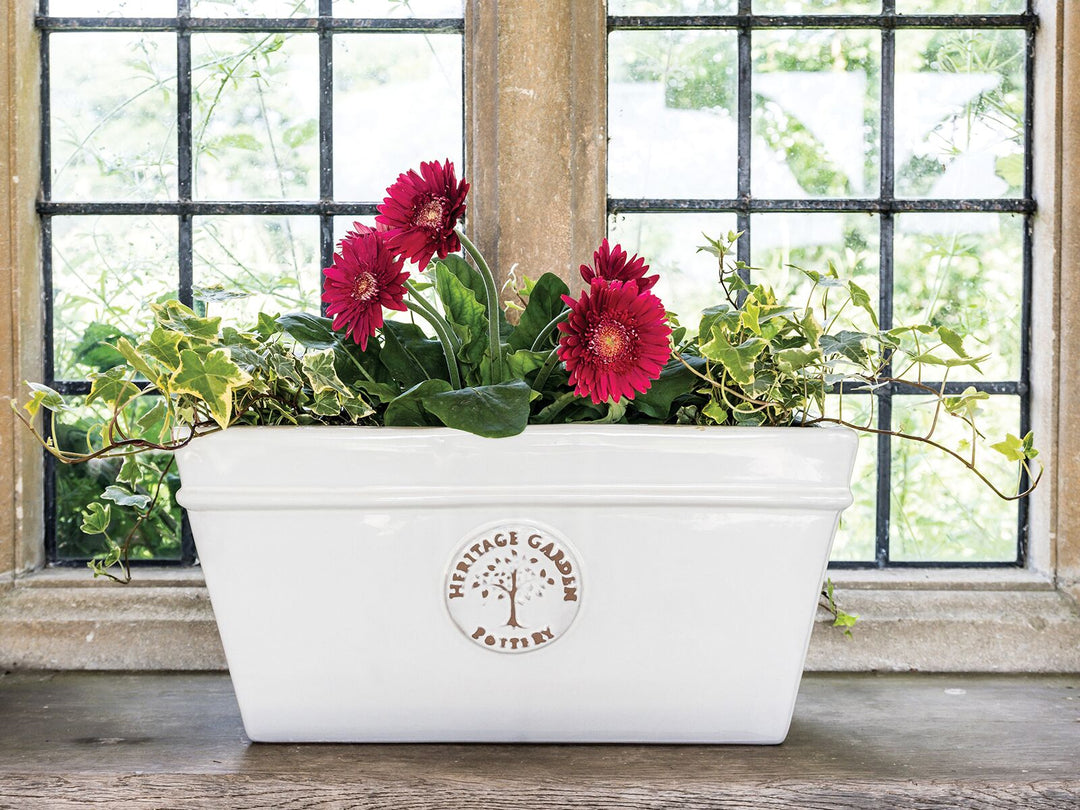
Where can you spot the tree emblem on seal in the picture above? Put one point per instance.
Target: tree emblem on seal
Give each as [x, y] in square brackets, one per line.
[513, 586]
[514, 577]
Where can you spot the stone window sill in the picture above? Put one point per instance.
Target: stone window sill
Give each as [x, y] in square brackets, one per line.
[1001, 620]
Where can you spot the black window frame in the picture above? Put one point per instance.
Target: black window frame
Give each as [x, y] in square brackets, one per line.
[184, 207]
[885, 205]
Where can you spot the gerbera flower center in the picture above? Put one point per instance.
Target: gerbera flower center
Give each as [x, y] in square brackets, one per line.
[610, 341]
[431, 212]
[364, 286]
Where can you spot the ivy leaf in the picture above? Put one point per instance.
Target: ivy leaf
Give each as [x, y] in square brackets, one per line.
[861, 298]
[113, 388]
[545, 304]
[176, 317]
[966, 405]
[1014, 448]
[135, 359]
[326, 403]
[811, 328]
[356, 409]
[96, 518]
[45, 397]
[122, 496]
[738, 361]
[164, 346]
[846, 344]
[210, 377]
[792, 360]
[716, 412]
[493, 411]
[216, 294]
[318, 367]
[130, 471]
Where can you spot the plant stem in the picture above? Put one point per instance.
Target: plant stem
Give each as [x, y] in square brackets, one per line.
[494, 347]
[424, 304]
[551, 326]
[444, 340]
[546, 369]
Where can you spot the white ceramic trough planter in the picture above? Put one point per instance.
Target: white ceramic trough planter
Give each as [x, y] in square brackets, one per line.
[575, 583]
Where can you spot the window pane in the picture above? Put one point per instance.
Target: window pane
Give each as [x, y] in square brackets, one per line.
[672, 7]
[672, 99]
[419, 9]
[855, 536]
[960, 6]
[112, 116]
[668, 243]
[255, 117]
[77, 485]
[397, 102]
[940, 511]
[784, 244]
[817, 6]
[959, 113]
[254, 8]
[274, 260]
[816, 113]
[106, 270]
[112, 8]
[964, 271]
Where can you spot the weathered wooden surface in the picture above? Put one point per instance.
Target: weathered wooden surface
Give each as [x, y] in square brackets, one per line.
[899, 741]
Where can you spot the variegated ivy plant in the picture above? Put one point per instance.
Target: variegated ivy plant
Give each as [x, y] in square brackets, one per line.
[455, 360]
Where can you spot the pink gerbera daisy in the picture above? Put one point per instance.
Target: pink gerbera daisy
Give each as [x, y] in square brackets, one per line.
[421, 210]
[364, 278]
[615, 341]
[612, 263]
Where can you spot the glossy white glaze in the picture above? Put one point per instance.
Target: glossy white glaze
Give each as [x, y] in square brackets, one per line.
[327, 551]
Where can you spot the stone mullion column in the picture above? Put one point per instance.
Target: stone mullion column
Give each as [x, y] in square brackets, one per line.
[535, 132]
[1064, 474]
[21, 311]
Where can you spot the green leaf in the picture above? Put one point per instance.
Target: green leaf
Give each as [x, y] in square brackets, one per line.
[310, 331]
[861, 298]
[1010, 168]
[356, 409]
[175, 316]
[675, 380]
[846, 344]
[164, 346]
[45, 397]
[130, 471]
[210, 377]
[545, 304]
[716, 412]
[122, 496]
[407, 409]
[523, 362]
[96, 518]
[113, 388]
[216, 294]
[237, 140]
[1012, 447]
[319, 369]
[471, 278]
[97, 348]
[811, 328]
[466, 314]
[493, 411]
[792, 360]
[299, 134]
[410, 356]
[135, 359]
[966, 405]
[738, 361]
[952, 340]
[326, 403]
